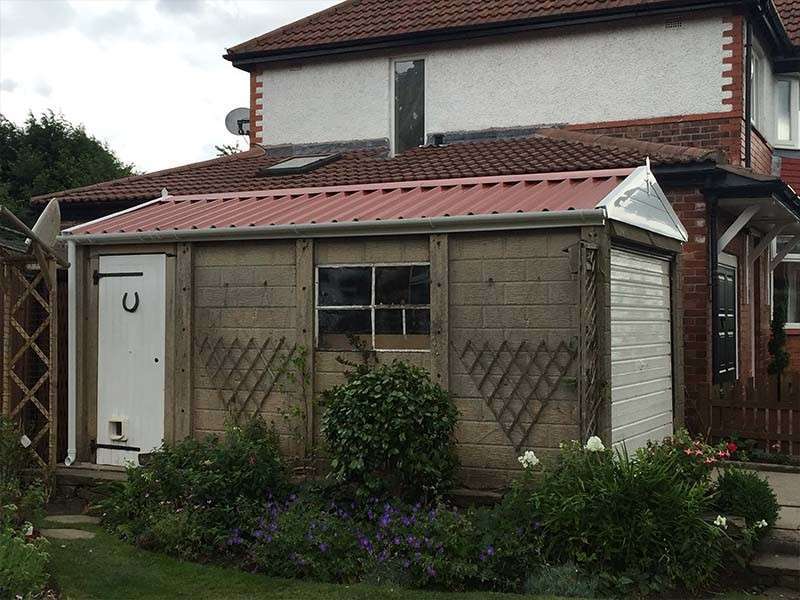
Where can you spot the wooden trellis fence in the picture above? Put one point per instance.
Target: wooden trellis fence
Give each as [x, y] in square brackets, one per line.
[755, 411]
[517, 381]
[245, 373]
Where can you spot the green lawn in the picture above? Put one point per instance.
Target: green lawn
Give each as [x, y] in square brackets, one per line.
[106, 567]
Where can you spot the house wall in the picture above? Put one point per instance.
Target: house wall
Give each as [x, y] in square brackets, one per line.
[640, 69]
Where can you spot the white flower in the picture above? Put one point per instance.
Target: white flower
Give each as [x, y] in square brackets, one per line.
[595, 444]
[721, 521]
[528, 460]
[761, 524]
[28, 530]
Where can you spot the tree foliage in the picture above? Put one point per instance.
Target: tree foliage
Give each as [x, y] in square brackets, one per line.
[48, 154]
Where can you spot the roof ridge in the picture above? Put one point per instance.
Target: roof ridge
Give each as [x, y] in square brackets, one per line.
[251, 152]
[600, 139]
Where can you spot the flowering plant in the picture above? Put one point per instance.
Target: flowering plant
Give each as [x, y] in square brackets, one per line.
[595, 444]
[528, 460]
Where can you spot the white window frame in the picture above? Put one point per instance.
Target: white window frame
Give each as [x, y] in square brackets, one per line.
[792, 257]
[392, 112]
[794, 112]
[372, 306]
[757, 97]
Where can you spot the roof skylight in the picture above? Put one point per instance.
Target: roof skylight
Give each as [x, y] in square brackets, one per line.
[298, 164]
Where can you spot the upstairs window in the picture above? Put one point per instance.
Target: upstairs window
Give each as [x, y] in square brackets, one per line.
[758, 77]
[787, 111]
[409, 104]
[381, 307]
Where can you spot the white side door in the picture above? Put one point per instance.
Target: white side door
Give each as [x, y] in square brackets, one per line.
[131, 347]
[641, 349]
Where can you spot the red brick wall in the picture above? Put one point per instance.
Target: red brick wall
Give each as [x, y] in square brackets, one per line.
[724, 133]
[760, 154]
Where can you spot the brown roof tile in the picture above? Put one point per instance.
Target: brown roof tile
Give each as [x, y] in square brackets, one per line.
[359, 20]
[548, 151]
[789, 11]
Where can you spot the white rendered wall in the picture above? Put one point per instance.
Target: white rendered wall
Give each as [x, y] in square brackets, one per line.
[602, 73]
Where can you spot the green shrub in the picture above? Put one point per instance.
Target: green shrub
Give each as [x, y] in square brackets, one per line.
[390, 428]
[745, 494]
[188, 496]
[639, 521]
[23, 565]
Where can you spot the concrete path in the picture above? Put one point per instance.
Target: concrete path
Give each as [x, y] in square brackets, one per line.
[72, 519]
[66, 534]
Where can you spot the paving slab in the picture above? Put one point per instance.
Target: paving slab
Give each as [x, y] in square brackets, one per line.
[66, 534]
[73, 519]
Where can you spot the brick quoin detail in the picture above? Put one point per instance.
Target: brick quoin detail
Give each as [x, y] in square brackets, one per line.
[256, 104]
[733, 64]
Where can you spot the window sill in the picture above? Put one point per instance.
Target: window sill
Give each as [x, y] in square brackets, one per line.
[792, 330]
[786, 146]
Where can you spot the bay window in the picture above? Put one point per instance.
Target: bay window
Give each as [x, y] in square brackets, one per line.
[786, 284]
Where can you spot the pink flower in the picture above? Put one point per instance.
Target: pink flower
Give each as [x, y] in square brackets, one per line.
[732, 447]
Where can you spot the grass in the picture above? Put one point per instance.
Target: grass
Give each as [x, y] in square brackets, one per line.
[105, 567]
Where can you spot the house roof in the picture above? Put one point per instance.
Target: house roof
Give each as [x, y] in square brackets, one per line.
[549, 150]
[789, 12]
[355, 22]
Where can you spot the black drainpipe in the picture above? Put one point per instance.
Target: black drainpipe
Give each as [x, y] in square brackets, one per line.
[748, 94]
[713, 245]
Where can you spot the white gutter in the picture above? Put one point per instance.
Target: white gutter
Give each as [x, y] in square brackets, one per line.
[459, 224]
[72, 347]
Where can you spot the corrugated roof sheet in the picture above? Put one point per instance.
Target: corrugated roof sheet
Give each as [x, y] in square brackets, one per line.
[549, 150]
[370, 202]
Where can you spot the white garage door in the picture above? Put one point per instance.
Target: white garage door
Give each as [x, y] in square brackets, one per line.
[641, 349]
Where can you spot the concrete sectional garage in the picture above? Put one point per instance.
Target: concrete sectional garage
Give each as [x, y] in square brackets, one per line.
[547, 305]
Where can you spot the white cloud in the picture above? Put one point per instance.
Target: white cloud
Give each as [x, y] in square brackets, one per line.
[146, 76]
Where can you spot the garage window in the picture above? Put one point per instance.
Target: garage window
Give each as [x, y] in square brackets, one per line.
[380, 307]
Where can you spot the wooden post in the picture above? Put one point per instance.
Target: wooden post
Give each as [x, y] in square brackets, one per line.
[304, 337]
[440, 309]
[6, 403]
[52, 278]
[184, 341]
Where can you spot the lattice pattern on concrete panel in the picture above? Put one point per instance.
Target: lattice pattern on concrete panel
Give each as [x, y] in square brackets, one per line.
[590, 394]
[516, 381]
[245, 374]
[29, 350]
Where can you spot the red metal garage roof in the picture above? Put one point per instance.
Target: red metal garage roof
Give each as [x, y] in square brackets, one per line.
[365, 203]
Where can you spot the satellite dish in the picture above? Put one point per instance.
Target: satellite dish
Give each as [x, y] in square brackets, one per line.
[238, 121]
[48, 224]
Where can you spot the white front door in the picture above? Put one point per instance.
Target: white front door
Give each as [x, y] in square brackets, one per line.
[130, 355]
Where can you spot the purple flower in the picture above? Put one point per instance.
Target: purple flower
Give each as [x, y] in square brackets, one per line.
[430, 571]
[406, 563]
[385, 520]
[397, 540]
[323, 547]
[236, 538]
[490, 551]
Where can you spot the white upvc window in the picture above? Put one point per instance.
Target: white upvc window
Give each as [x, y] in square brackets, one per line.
[383, 307]
[758, 77]
[787, 112]
[786, 283]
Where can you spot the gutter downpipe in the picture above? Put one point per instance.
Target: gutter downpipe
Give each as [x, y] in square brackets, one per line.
[72, 347]
[748, 94]
[538, 220]
[713, 245]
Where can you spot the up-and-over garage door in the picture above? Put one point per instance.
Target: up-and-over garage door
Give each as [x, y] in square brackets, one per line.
[641, 349]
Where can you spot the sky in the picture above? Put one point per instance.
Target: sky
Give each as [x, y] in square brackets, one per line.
[147, 77]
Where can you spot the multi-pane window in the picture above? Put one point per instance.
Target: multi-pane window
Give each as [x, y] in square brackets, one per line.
[409, 104]
[786, 284]
[381, 307]
[787, 111]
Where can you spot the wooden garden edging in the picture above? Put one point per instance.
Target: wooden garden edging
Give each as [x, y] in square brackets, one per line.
[759, 411]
